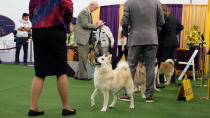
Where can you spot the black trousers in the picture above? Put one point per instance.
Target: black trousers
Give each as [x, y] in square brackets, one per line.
[20, 41]
[165, 53]
[120, 54]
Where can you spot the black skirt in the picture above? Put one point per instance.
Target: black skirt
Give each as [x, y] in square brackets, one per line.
[50, 51]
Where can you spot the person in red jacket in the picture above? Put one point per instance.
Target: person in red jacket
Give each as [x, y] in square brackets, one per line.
[50, 19]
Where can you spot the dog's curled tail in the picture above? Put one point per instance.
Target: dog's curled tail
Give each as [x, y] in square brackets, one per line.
[170, 61]
[123, 65]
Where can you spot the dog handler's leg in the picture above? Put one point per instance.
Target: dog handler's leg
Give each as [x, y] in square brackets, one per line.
[114, 101]
[95, 93]
[106, 100]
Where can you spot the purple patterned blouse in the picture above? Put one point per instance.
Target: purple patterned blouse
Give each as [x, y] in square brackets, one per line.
[47, 13]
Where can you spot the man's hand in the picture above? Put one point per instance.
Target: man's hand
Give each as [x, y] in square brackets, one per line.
[99, 23]
[21, 29]
[112, 46]
[27, 29]
[24, 29]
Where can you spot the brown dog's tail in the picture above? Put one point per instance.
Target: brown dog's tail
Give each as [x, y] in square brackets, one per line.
[170, 61]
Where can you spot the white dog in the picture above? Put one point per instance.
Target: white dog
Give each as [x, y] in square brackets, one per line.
[106, 80]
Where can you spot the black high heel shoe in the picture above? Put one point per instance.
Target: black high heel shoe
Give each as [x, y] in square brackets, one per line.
[35, 113]
[66, 112]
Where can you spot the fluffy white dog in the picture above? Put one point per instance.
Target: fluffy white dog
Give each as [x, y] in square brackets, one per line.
[107, 80]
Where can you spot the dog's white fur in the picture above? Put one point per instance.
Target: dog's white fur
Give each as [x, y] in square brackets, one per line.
[167, 68]
[107, 80]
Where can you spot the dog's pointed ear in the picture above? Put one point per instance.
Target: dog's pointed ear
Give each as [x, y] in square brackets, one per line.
[110, 57]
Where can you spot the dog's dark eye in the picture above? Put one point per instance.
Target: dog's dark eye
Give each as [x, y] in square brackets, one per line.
[102, 59]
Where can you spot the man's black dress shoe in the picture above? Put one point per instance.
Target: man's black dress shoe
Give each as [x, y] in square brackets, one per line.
[66, 112]
[35, 113]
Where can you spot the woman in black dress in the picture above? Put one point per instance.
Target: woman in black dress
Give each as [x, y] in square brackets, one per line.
[49, 17]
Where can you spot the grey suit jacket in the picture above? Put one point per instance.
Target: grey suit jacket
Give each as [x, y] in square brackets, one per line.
[143, 17]
[83, 27]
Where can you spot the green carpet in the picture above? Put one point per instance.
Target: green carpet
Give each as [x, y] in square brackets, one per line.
[15, 84]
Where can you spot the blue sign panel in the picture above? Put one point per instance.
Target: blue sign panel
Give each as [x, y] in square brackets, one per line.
[7, 26]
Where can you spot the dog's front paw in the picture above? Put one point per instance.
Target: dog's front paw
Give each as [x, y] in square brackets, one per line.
[103, 110]
[92, 105]
[143, 96]
[166, 83]
[131, 107]
[111, 106]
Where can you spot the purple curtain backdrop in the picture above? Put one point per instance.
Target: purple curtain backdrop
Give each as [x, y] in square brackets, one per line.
[110, 15]
[176, 11]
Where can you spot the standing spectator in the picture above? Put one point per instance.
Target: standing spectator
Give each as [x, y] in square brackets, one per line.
[143, 17]
[103, 38]
[168, 41]
[48, 20]
[70, 36]
[122, 48]
[22, 36]
[83, 33]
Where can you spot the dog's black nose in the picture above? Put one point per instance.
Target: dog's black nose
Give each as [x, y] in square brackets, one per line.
[96, 59]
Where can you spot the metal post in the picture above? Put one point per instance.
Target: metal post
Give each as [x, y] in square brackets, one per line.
[208, 95]
[203, 64]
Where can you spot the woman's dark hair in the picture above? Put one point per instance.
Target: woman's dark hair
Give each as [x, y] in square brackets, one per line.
[25, 14]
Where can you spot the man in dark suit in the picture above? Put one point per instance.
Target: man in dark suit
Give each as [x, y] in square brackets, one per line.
[143, 17]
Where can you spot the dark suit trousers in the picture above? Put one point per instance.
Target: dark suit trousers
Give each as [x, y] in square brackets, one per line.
[148, 53]
[20, 41]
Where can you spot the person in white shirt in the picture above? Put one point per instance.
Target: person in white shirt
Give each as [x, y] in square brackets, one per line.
[23, 30]
[122, 48]
[103, 38]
